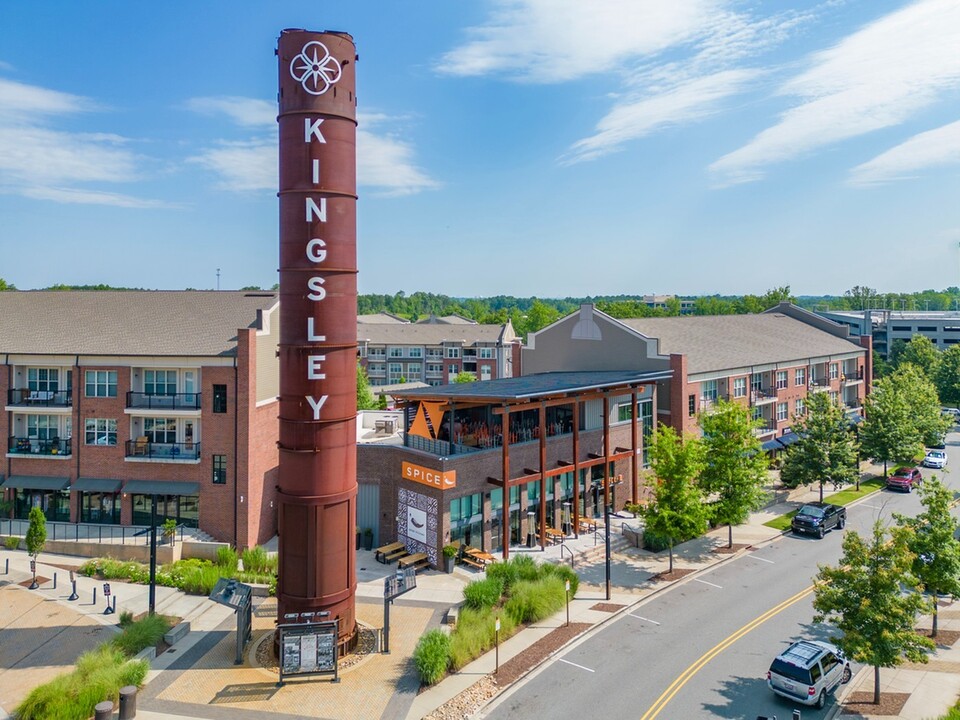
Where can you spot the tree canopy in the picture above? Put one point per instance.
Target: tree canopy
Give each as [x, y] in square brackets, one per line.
[888, 434]
[826, 451]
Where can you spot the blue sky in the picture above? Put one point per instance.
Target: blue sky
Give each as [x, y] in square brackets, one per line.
[524, 147]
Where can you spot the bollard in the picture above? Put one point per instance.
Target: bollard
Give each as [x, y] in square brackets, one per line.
[7, 572]
[94, 595]
[128, 702]
[73, 595]
[114, 603]
[103, 710]
[54, 581]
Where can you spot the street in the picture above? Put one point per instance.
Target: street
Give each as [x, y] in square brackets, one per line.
[702, 648]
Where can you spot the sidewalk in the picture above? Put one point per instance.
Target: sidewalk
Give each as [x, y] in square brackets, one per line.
[198, 679]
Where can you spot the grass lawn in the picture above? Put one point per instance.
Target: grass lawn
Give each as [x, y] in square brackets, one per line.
[844, 497]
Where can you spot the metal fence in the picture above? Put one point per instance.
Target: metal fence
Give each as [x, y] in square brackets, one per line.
[88, 532]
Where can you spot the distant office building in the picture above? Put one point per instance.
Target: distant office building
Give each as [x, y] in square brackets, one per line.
[888, 326]
[659, 302]
[435, 352]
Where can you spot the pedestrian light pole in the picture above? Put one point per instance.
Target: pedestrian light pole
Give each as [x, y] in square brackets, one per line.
[606, 524]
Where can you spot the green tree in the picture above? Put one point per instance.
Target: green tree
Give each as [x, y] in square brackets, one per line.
[736, 468]
[365, 399]
[36, 539]
[923, 404]
[920, 351]
[4, 285]
[465, 377]
[825, 451]
[864, 598]
[948, 376]
[933, 542]
[677, 511]
[861, 298]
[888, 434]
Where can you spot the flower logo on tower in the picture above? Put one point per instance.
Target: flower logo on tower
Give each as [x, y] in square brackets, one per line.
[315, 68]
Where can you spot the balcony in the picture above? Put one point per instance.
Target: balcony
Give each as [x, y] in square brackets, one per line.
[763, 396]
[851, 378]
[768, 428]
[24, 398]
[35, 447]
[143, 449]
[155, 401]
[821, 384]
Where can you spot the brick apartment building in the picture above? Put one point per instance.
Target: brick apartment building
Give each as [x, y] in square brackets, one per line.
[435, 350]
[113, 398]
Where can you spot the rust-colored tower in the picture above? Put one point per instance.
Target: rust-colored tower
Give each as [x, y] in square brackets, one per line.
[318, 326]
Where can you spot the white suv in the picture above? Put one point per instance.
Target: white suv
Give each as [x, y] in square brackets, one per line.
[807, 670]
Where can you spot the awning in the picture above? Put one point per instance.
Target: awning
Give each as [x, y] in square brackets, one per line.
[788, 439]
[87, 484]
[771, 445]
[36, 482]
[161, 487]
[855, 418]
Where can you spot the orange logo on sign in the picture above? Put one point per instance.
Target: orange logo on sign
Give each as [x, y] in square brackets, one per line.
[427, 476]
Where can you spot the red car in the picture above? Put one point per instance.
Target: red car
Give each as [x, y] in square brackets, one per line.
[905, 478]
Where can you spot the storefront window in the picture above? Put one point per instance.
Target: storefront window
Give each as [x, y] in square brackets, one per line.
[101, 508]
[184, 509]
[466, 520]
[55, 504]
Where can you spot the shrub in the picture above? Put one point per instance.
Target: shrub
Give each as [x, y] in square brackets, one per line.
[505, 572]
[256, 560]
[476, 633]
[199, 580]
[564, 572]
[227, 559]
[143, 633]
[654, 542]
[11, 543]
[432, 656]
[533, 600]
[126, 619]
[450, 551]
[483, 594]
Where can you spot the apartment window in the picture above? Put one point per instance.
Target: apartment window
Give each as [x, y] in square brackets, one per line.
[782, 411]
[708, 390]
[160, 382]
[453, 369]
[781, 379]
[486, 353]
[43, 379]
[46, 427]
[485, 373]
[395, 352]
[623, 412]
[101, 383]
[756, 413]
[363, 351]
[834, 371]
[414, 371]
[800, 409]
[434, 352]
[453, 352]
[219, 398]
[160, 430]
[833, 396]
[739, 387]
[375, 352]
[100, 431]
[433, 368]
[415, 352]
[800, 377]
[395, 372]
[692, 405]
[219, 469]
[902, 328]
[756, 383]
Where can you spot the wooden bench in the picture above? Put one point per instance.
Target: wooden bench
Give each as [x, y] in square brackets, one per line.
[417, 561]
[587, 525]
[397, 554]
[385, 550]
[476, 558]
[554, 536]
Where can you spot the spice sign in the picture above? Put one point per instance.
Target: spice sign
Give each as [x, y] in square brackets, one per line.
[442, 480]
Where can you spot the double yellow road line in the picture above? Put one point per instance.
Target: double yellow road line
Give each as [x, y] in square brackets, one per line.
[687, 674]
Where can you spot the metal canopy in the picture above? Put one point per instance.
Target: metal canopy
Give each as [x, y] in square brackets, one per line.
[36, 482]
[87, 484]
[788, 439]
[770, 445]
[161, 487]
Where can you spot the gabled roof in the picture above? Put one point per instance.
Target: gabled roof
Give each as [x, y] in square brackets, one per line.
[172, 323]
[383, 317]
[721, 342]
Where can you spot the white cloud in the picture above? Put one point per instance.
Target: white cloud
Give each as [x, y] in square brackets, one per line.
[877, 77]
[40, 162]
[687, 102]
[383, 162]
[929, 149]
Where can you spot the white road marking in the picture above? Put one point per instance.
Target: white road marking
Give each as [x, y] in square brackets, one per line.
[708, 583]
[643, 618]
[870, 506]
[575, 665]
[761, 559]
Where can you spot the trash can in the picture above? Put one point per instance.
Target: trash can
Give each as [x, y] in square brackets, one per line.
[128, 702]
[103, 710]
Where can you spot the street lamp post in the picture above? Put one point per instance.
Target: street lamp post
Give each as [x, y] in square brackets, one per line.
[606, 523]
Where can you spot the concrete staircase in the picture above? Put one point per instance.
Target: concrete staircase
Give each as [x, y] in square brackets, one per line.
[594, 553]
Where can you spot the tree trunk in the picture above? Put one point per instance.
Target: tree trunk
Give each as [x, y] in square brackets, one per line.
[730, 535]
[671, 557]
[884, 469]
[933, 632]
[821, 491]
[876, 684]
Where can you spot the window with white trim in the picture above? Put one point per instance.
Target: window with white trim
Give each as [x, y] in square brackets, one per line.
[414, 371]
[739, 387]
[756, 382]
[101, 383]
[834, 371]
[485, 373]
[800, 377]
[708, 390]
[47, 427]
[781, 379]
[415, 352]
[100, 431]
[800, 408]
[160, 430]
[395, 352]
[394, 372]
[453, 353]
[43, 379]
[783, 412]
[486, 353]
[160, 382]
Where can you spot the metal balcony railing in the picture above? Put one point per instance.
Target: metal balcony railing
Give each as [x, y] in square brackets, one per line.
[155, 401]
[142, 448]
[762, 395]
[852, 377]
[40, 398]
[36, 446]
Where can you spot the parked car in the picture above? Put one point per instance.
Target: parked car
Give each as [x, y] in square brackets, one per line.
[952, 412]
[817, 517]
[807, 671]
[935, 459]
[905, 478]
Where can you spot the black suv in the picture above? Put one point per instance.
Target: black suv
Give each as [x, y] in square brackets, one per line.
[817, 517]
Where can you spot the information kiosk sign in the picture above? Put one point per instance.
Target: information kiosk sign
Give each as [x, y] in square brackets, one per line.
[309, 649]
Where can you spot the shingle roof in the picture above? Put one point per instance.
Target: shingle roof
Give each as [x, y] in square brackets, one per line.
[721, 342]
[427, 333]
[180, 323]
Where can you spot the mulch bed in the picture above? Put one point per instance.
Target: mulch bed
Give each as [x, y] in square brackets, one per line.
[724, 550]
[610, 607]
[945, 638]
[515, 667]
[861, 703]
[28, 583]
[671, 575]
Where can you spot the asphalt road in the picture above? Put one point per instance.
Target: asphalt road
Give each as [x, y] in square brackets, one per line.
[702, 648]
